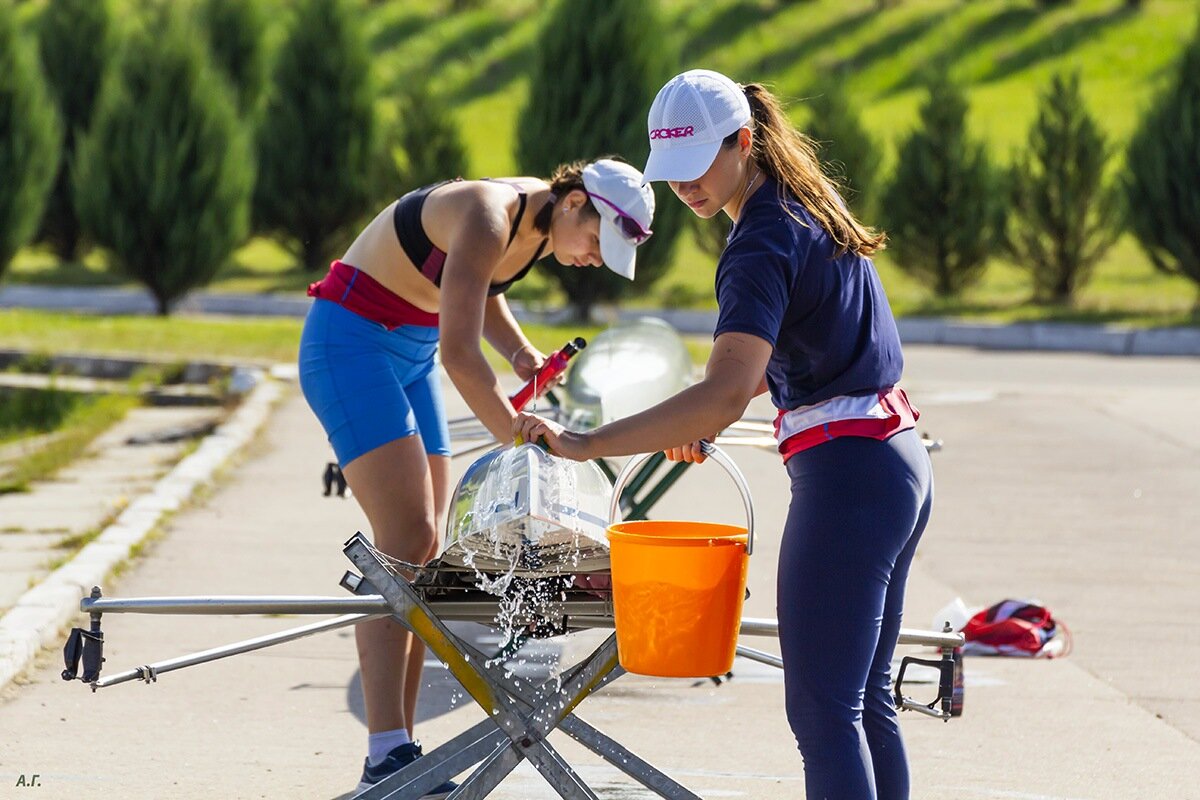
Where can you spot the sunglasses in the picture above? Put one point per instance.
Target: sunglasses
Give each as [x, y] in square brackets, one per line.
[630, 228]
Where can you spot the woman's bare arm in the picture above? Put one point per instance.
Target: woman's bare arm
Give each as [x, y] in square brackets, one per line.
[502, 332]
[477, 241]
[733, 375]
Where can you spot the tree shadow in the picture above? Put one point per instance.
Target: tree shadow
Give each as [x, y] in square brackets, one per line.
[885, 46]
[477, 34]
[399, 30]
[728, 24]
[66, 273]
[822, 37]
[978, 35]
[473, 70]
[1057, 42]
[496, 73]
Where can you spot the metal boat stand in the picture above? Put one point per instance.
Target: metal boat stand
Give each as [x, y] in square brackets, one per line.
[520, 718]
[519, 721]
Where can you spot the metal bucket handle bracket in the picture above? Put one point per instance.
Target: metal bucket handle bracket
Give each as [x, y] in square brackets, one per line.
[711, 451]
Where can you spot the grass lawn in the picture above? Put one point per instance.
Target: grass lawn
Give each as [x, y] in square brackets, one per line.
[253, 339]
[30, 412]
[88, 418]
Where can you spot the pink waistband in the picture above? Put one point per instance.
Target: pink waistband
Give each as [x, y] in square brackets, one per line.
[357, 291]
[875, 416]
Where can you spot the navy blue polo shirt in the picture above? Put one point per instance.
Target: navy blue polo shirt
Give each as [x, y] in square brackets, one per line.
[827, 317]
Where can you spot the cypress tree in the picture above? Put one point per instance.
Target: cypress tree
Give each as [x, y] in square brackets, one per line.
[710, 234]
[30, 138]
[1063, 217]
[317, 144]
[236, 33]
[596, 71]
[941, 209]
[77, 43]
[1162, 175]
[847, 150]
[163, 177]
[428, 137]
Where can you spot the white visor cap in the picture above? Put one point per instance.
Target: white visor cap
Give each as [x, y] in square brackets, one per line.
[617, 189]
[688, 120]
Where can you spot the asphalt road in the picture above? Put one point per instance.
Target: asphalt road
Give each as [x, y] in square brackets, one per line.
[1068, 478]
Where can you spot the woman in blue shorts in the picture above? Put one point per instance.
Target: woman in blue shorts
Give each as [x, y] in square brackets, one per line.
[802, 315]
[428, 275]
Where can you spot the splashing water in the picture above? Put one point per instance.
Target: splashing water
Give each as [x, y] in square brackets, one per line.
[526, 522]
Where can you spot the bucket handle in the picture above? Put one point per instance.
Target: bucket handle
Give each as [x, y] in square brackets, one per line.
[711, 451]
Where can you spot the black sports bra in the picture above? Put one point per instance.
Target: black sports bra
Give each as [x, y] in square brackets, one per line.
[428, 259]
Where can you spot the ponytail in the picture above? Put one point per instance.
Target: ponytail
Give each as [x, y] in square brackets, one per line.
[790, 157]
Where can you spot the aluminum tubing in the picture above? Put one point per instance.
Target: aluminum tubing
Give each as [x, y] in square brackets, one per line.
[752, 626]
[238, 604]
[468, 610]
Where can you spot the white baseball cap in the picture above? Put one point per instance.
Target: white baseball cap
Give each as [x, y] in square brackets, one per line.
[689, 118]
[626, 206]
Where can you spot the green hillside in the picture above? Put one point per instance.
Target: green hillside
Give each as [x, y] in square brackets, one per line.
[1004, 50]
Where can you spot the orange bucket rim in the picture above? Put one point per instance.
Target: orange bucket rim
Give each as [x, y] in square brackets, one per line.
[685, 533]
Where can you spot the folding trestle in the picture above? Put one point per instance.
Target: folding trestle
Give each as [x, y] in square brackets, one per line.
[520, 716]
[518, 720]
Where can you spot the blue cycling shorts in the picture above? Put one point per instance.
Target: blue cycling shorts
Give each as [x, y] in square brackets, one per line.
[369, 386]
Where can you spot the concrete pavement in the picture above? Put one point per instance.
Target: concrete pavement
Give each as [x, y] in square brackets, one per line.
[84, 496]
[1069, 478]
[107, 503]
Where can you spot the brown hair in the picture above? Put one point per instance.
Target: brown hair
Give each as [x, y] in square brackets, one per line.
[790, 157]
[565, 178]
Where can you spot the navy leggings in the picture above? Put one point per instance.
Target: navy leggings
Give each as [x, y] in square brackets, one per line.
[858, 509]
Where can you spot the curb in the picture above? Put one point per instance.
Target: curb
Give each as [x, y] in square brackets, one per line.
[1053, 336]
[39, 615]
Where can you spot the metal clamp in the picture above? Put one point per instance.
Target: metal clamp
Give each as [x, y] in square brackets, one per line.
[711, 451]
[949, 700]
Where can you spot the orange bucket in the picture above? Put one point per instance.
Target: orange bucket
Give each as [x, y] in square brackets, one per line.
[677, 591]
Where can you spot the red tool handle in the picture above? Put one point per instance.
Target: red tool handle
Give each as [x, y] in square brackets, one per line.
[539, 383]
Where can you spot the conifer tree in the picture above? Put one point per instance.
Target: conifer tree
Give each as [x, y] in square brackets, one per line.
[428, 137]
[942, 209]
[318, 141]
[1162, 174]
[236, 33]
[847, 152]
[710, 234]
[30, 137]
[163, 177]
[77, 41]
[1063, 217]
[595, 73]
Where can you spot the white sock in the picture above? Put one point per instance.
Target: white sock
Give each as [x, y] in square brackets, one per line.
[380, 744]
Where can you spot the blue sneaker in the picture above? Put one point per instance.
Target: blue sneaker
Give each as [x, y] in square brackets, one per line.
[399, 758]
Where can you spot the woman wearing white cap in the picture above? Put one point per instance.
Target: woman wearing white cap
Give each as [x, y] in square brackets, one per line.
[802, 315]
[428, 274]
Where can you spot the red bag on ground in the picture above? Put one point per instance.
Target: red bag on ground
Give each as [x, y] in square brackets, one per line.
[1016, 628]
